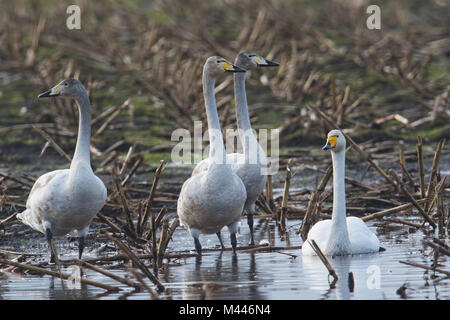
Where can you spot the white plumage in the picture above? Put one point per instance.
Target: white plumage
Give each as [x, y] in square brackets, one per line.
[340, 235]
[67, 200]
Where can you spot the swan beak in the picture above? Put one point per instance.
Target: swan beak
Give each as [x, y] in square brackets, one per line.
[53, 92]
[331, 143]
[229, 67]
[327, 146]
[262, 62]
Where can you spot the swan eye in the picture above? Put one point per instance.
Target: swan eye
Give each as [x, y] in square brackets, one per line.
[251, 55]
[66, 84]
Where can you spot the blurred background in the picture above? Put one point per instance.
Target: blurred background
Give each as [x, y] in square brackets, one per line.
[389, 84]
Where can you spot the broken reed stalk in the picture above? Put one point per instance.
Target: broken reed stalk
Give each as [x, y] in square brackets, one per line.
[8, 219]
[154, 247]
[284, 202]
[413, 201]
[125, 162]
[313, 205]
[436, 159]
[148, 204]
[123, 199]
[112, 117]
[52, 143]
[438, 246]
[324, 259]
[109, 223]
[405, 172]
[386, 212]
[110, 275]
[127, 251]
[420, 165]
[138, 277]
[57, 274]
[133, 169]
[165, 238]
[353, 143]
[418, 265]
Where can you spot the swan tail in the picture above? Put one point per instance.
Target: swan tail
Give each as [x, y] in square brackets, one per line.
[27, 217]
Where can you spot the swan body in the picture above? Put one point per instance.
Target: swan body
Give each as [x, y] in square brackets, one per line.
[215, 197]
[67, 200]
[251, 165]
[340, 235]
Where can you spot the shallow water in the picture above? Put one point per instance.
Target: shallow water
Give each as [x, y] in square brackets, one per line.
[264, 275]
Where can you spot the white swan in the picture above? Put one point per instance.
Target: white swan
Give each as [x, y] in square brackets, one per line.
[65, 200]
[249, 166]
[340, 235]
[214, 198]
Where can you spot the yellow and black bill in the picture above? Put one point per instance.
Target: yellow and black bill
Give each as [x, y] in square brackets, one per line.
[331, 143]
[229, 67]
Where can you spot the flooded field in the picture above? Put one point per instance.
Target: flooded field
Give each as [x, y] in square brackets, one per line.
[283, 274]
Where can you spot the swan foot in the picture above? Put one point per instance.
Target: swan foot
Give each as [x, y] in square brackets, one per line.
[49, 235]
[220, 239]
[233, 242]
[198, 246]
[250, 225]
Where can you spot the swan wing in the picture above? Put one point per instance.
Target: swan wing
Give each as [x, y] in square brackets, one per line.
[362, 239]
[319, 233]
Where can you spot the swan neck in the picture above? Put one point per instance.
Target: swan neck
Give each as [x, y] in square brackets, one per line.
[249, 142]
[82, 152]
[216, 149]
[339, 209]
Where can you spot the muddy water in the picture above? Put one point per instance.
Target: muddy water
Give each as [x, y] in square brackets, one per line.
[265, 275]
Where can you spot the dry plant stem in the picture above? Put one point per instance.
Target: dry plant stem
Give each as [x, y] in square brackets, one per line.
[325, 261]
[53, 143]
[112, 117]
[154, 246]
[313, 205]
[426, 267]
[133, 169]
[287, 183]
[57, 274]
[123, 200]
[414, 201]
[165, 238]
[136, 261]
[138, 277]
[404, 170]
[436, 159]
[421, 167]
[150, 197]
[386, 212]
[353, 143]
[8, 219]
[110, 275]
[437, 246]
[125, 162]
[109, 223]
[408, 223]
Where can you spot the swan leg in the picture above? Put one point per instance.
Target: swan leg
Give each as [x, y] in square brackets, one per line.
[250, 225]
[198, 246]
[81, 240]
[220, 239]
[233, 228]
[233, 242]
[49, 235]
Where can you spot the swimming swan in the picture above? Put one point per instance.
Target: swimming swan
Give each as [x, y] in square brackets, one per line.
[214, 198]
[340, 235]
[249, 166]
[65, 200]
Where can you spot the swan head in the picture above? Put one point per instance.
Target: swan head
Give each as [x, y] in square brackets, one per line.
[335, 141]
[68, 88]
[216, 65]
[250, 60]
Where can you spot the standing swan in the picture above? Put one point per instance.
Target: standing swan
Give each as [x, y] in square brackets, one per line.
[249, 166]
[340, 235]
[65, 200]
[214, 198]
